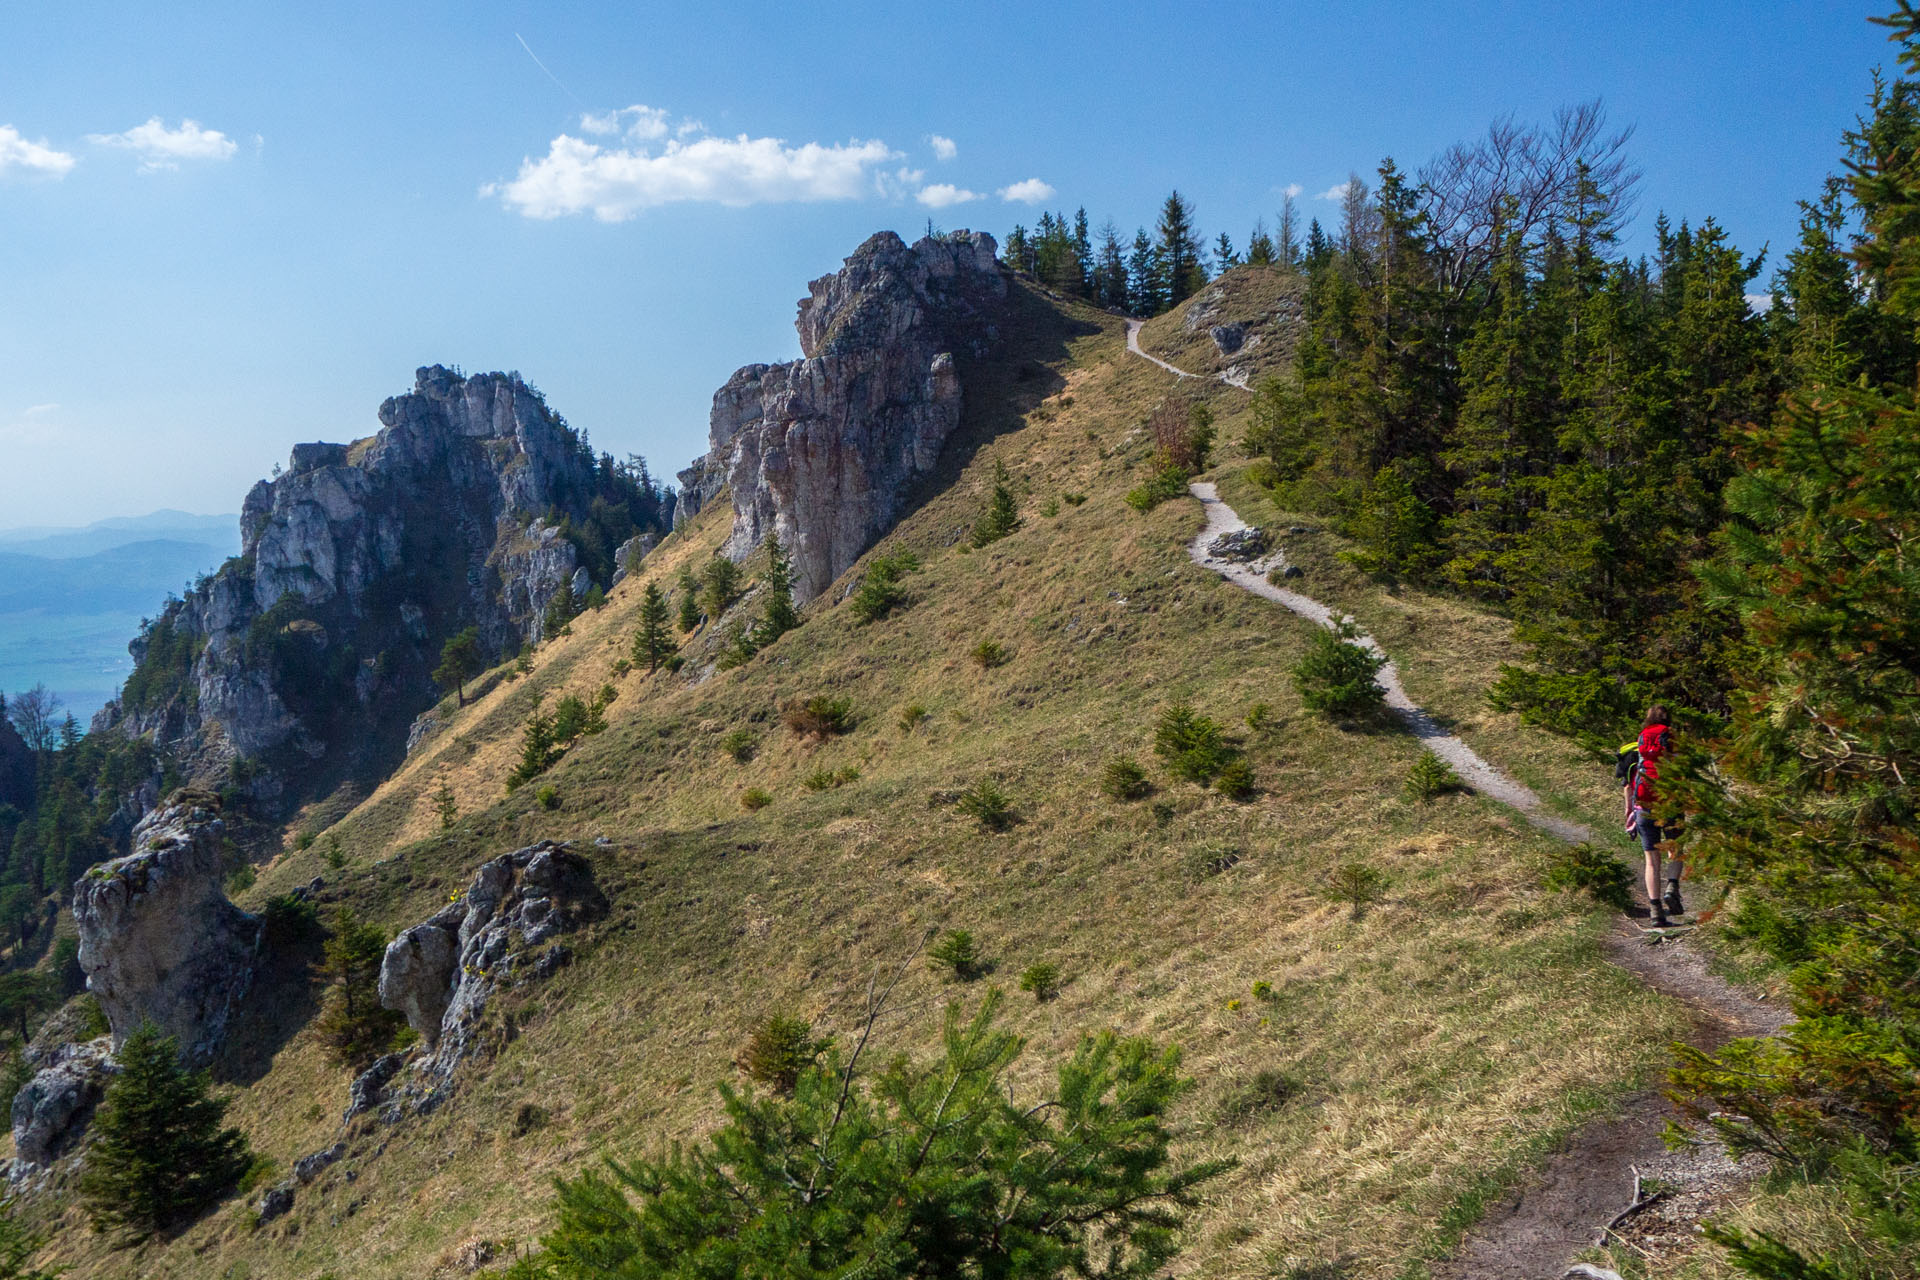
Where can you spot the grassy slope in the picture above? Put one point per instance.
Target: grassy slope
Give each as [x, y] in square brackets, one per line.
[1265, 299]
[1436, 1043]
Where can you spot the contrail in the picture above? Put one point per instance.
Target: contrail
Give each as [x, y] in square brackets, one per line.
[550, 75]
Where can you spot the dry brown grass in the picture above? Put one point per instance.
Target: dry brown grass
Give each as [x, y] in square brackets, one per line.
[1266, 299]
[1463, 1021]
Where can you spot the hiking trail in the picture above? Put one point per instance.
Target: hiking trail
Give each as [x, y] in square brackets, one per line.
[1573, 1202]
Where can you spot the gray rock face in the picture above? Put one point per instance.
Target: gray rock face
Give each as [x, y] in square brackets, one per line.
[310, 653]
[307, 1168]
[441, 972]
[824, 451]
[277, 1202]
[158, 939]
[627, 557]
[416, 976]
[1241, 544]
[1228, 338]
[53, 1108]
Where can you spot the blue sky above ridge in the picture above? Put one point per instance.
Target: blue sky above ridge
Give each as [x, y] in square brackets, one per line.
[224, 232]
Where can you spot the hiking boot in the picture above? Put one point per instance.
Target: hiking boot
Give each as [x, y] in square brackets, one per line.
[1673, 903]
[1658, 911]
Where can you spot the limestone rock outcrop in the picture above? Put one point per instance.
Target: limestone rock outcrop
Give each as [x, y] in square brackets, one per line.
[310, 653]
[159, 941]
[440, 973]
[824, 451]
[52, 1109]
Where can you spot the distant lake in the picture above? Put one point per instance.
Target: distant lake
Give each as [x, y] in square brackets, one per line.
[71, 599]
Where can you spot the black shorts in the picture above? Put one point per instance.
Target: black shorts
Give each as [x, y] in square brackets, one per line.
[1652, 833]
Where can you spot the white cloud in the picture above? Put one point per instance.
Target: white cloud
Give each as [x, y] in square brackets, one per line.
[944, 148]
[1759, 303]
[162, 148]
[35, 410]
[941, 195]
[1336, 192]
[1032, 191]
[637, 122]
[616, 182]
[16, 153]
[1292, 190]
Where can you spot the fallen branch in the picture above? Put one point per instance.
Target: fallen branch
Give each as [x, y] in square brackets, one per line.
[1639, 1202]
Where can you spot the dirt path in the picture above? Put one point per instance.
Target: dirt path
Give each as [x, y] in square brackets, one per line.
[1231, 378]
[1537, 1231]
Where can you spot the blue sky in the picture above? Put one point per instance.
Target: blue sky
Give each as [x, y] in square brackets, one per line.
[230, 229]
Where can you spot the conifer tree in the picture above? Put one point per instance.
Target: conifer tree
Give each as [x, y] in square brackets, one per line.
[159, 1154]
[1504, 439]
[352, 1026]
[1002, 515]
[778, 616]
[18, 1244]
[914, 1171]
[1144, 294]
[1260, 251]
[653, 644]
[719, 584]
[1181, 269]
[459, 662]
[688, 588]
[538, 748]
[1223, 255]
[1110, 269]
[1287, 247]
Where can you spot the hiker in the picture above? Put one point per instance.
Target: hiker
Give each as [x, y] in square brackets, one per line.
[1639, 771]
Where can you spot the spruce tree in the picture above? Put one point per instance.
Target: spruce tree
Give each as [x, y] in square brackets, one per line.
[352, 1026]
[1179, 254]
[653, 644]
[778, 616]
[159, 1154]
[719, 584]
[1002, 515]
[1504, 439]
[1224, 256]
[18, 1244]
[1260, 251]
[689, 591]
[459, 662]
[917, 1170]
[538, 750]
[1144, 296]
[1110, 269]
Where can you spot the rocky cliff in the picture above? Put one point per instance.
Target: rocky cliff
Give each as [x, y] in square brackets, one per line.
[159, 941]
[824, 451]
[309, 654]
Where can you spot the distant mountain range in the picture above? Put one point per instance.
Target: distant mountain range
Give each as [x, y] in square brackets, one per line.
[71, 598]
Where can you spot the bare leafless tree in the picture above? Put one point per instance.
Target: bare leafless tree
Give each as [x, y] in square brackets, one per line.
[32, 714]
[1524, 178]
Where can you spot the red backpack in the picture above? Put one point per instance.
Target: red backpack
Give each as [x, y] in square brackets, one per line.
[1656, 740]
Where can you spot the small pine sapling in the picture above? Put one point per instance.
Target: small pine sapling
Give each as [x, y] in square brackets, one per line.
[957, 956]
[1358, 885]
[987, 803]
[1041, 980]
[1124, 779]
[1431, 777]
